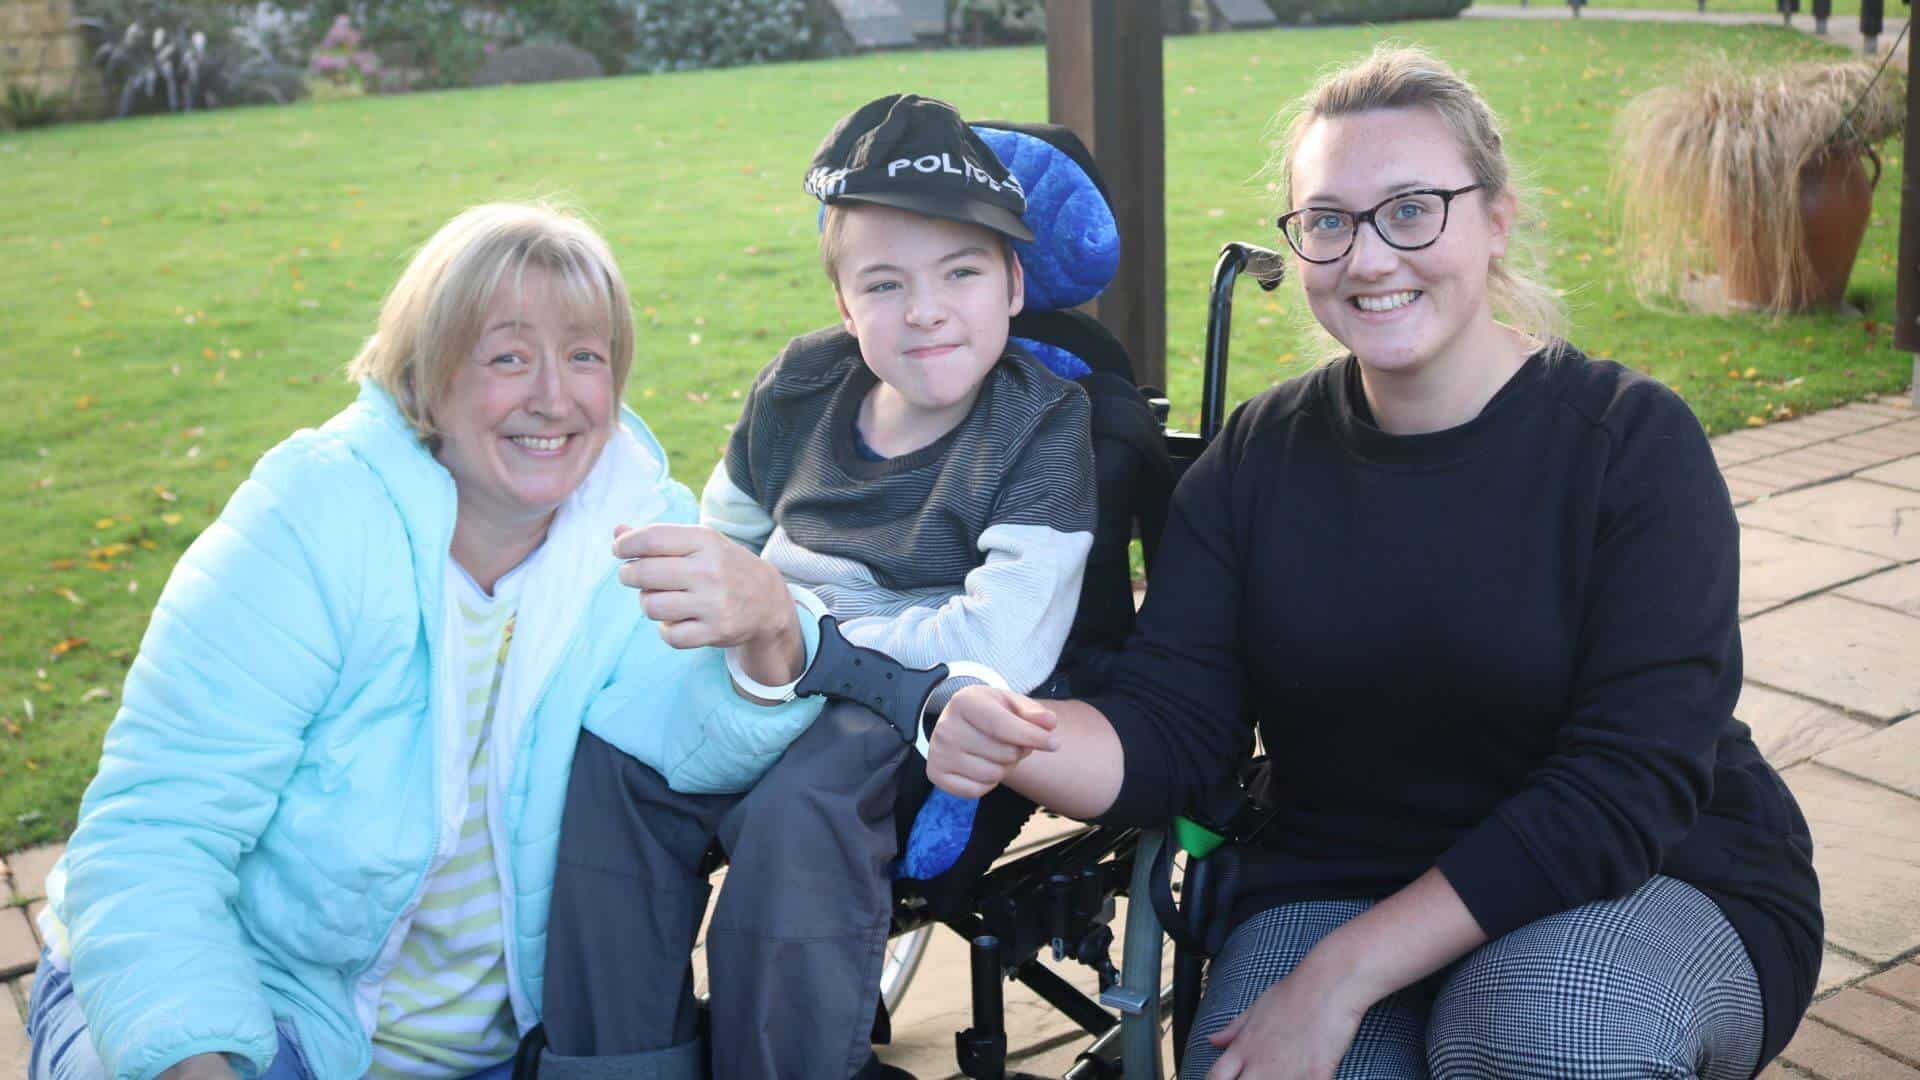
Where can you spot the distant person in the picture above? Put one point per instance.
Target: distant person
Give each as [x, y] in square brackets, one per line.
[1477, 592]
[933, 484]
[321, 840]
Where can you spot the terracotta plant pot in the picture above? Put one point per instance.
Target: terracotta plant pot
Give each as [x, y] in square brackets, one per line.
[1836, 202]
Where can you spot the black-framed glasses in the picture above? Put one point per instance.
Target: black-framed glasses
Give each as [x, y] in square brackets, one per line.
[1408, 221]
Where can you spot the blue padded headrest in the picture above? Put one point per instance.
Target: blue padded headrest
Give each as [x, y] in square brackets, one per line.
[1076, 241]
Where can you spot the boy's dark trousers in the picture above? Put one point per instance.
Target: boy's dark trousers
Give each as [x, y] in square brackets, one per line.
[795, 948]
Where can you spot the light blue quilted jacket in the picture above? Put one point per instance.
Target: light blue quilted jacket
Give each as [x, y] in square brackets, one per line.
[280, 775]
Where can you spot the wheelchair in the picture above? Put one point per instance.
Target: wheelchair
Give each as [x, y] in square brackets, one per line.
[1059, 897]
[1055, 902]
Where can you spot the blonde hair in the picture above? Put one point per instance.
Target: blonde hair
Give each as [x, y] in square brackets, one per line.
[833, 242]
[437, 310]
[1400, 77]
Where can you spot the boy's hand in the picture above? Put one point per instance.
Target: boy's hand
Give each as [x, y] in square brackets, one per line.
[705, 590]
[982, 734]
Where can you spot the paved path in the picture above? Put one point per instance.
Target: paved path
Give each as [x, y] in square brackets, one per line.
[1829, 508]
[1841, 29]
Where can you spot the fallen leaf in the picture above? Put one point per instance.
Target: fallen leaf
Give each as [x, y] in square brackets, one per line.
[72, 597]
[170, 518]
[61, 564]
[84, 402]
[97, 693]
[64, 647]
[103, 523]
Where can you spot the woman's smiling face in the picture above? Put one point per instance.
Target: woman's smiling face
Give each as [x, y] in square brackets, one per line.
[529, 408]
[1399, 311]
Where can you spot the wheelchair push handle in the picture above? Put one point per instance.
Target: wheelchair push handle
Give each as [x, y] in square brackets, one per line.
[847, 672]
[1269, 268]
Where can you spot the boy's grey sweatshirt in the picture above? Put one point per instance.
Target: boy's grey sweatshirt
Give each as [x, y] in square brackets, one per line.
[971, 548]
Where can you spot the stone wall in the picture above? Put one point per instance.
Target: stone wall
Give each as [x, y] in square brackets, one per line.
[41, 49]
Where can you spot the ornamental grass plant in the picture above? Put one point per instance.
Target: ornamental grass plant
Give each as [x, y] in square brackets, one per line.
[1713, 170]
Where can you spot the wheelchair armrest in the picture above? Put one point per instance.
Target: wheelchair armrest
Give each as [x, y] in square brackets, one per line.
[1235, 811]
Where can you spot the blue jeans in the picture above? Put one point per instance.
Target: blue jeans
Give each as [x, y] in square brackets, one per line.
[61, 1049]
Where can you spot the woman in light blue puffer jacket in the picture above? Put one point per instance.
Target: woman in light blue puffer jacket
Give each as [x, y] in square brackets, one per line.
[321, 840]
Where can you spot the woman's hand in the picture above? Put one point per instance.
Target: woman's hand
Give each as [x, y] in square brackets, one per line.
[202, 1067]
[1298, 1030]
[982, 734]
[705, 590]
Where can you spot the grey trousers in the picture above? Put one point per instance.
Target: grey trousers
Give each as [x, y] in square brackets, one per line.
[796, 944]
[1655, 985]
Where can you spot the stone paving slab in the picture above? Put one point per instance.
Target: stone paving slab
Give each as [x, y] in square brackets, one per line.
[1829, 1055]
[13, 1044]
[30, 868]
[19, 946]
[1761, 479]
[1890, 758]
[1789, 729]
[22, 989]
[1900, 982]
[1776, 568]
[1902, 473]
[1836, 650]
[1894, 440]
[1887, 1025]
[1853, 513]
[1837, 969]
[1898, 589]
[1866, 848]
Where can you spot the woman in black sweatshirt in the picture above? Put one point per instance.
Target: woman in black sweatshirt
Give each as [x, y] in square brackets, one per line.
[1477, 592]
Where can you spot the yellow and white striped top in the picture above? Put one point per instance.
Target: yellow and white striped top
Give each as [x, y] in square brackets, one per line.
[444, 1008]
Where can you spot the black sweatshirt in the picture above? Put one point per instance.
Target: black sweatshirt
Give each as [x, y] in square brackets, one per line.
[1508, 649]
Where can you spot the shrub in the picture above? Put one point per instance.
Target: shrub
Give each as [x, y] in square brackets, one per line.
[421, 44]
[180, 55]
[1307, 12]
[340, 60]
[604, 28]
[536, 62]
[999, 21]
[676, 35]
[280, 32]
[26, 106]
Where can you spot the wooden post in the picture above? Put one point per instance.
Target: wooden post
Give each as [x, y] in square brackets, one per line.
[1104, 82]
[1906, 327]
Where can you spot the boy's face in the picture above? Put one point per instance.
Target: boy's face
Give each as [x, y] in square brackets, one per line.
[929, 301]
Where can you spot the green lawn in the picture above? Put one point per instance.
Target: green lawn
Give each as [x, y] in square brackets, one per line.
[178, 293]
[1893, 13]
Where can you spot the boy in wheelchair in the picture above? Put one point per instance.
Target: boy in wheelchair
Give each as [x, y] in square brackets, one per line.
[932, 483]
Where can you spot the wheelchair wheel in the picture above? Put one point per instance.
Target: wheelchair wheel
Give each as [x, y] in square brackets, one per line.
[903, 959]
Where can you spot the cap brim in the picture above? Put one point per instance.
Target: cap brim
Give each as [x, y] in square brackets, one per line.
[997, 218]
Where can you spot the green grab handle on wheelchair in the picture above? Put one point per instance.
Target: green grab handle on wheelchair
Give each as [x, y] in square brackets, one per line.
[1196, 839]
